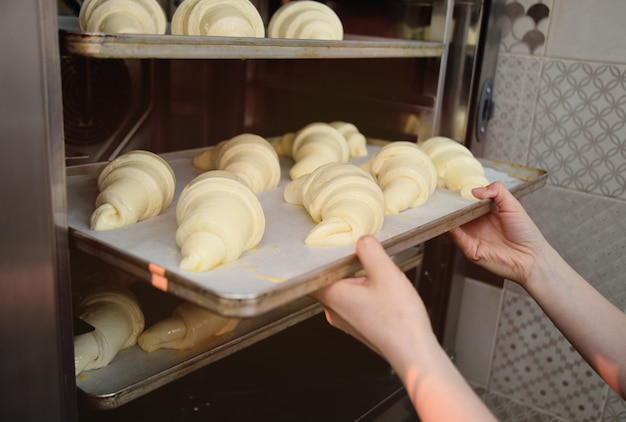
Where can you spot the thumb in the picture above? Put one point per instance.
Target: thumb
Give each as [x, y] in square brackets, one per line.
[502, 198]
[376, 263]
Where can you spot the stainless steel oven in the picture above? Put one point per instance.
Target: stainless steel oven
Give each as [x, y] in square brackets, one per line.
[406, 70]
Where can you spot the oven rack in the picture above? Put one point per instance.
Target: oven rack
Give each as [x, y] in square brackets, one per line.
[134, 373]
[132, 46]
[281, 268]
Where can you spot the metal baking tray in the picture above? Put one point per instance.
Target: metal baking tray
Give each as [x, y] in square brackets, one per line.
[281, 268]
[134, 373]
[127, 46]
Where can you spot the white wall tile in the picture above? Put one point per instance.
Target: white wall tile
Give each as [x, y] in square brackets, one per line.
[588, 30]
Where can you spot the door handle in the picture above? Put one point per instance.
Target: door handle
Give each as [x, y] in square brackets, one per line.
[485, 110]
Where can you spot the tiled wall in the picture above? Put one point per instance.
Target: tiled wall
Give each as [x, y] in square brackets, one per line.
[560, 104]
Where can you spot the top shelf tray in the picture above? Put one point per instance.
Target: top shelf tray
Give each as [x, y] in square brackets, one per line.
[99, 45]
[281, 268]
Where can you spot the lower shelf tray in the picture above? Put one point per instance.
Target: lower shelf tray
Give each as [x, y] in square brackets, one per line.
[134, 373]
[281, 268]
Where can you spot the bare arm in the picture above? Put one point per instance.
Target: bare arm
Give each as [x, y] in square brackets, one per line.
[384, 311]
[507, 242]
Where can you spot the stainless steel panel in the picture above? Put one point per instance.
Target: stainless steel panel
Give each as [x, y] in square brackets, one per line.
[36, 353]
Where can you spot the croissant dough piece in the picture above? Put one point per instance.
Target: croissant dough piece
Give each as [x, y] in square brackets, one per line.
[219, 217]
[405, 174]
[249, 156]
[118, 321]
[218, 18]
[122, 16]
[344, 201]
[284, 145]
[135, 186]
[357, 144]
[305, 20]
[317, 144]
[188, 327]
[457, 168]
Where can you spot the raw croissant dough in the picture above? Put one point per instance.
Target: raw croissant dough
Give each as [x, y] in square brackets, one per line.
[122, 17]
[405, 174]
[305, 20]
[118, 321]
[344, 201]
[357, 144]
[249, 156]
[135, 186]
[314, 145]
[457, 169]
[218, 18]
[188, 327]
[219, 217]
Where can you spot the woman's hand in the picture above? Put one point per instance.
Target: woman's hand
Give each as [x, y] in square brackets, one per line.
[384, 311]
[379, 309]
[505, 241]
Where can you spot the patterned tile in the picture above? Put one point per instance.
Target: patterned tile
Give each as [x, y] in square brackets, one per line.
[507, 410]
[589, 232]
[525, 26]
[579, 132]
[615, 408]
[536, 366]
[515, 89]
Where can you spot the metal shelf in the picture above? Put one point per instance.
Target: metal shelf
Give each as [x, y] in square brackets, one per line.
[134, 373]
[99, 45]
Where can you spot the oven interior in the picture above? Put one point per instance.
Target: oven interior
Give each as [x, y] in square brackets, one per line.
[306, 370]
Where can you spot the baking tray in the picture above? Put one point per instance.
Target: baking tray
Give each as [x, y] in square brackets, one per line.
[281, 268]
[134, 373]
[131, 46]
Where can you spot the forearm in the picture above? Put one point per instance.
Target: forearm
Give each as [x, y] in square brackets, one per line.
[436, 388]
[592, 324]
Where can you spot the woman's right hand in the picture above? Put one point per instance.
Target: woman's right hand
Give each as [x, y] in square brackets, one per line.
[384, 311]
[380, 309]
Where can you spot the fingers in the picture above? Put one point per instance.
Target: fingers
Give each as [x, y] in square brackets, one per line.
[351, 293]
[459, 236]
[326, 294]
[376, 263]
[336, 321]
[502, 198]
